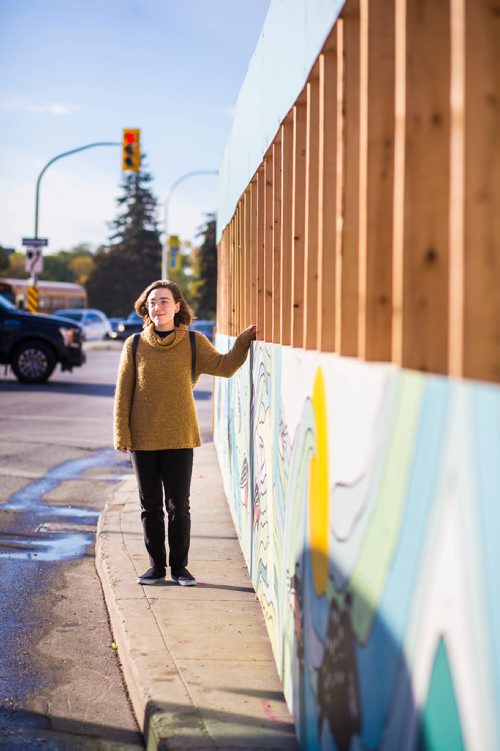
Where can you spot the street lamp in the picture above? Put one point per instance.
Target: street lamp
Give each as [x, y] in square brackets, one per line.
[167, 201]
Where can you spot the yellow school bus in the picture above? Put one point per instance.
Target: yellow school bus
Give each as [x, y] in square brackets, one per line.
[52, 295]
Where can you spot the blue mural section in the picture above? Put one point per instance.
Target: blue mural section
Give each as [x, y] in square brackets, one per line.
[367, 504]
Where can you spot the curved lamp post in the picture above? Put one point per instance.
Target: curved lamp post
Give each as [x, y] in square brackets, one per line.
[167, 202]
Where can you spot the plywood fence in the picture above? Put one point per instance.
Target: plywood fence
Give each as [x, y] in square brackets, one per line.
[371, 227]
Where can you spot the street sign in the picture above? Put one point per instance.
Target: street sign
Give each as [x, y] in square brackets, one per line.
[174, 247]
[33, 260]
[36, 242]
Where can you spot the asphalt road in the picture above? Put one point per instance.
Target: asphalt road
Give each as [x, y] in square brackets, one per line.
[61, 685]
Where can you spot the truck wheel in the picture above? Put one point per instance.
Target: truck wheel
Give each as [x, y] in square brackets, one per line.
[33, 362]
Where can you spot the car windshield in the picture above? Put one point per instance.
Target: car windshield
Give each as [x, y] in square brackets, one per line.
[6, 304]
[73, 314]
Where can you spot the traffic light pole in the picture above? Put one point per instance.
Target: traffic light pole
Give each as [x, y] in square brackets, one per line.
[60, 156]
[174, 185]
[55, 159]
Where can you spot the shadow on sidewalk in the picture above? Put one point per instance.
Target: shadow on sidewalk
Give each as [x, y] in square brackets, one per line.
[22, 729]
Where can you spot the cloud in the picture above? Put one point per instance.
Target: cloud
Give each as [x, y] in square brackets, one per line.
[59, 109]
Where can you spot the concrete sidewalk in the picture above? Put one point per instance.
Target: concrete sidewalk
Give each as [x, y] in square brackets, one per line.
[197, 661]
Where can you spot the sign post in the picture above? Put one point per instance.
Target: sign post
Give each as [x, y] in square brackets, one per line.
[33, 263]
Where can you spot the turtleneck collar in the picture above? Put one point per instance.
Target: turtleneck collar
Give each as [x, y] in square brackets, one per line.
[172, 340]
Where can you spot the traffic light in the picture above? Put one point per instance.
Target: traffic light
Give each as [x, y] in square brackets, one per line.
[131, 150]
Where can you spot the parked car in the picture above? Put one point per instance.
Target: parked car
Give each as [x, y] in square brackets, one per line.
[205, 327]
[33, 344]
[130, 325]
[95, 323]
[114, 321]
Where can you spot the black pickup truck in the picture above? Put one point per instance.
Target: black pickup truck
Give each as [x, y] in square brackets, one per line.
[33, 344]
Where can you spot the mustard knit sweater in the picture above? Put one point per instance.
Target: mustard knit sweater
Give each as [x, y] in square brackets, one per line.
[154, 404]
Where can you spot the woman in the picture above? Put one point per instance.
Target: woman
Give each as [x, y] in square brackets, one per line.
[155, 419]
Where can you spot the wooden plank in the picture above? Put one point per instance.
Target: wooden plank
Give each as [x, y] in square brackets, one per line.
[298, 220]
[426, 187]
[220, 284]
[350, 225]
[233, 277]
[286, 228]
[482, 191]
[276, 270]
[239, 302]
[399, 182]
[246, 257]
[229, 280]
[327, 187]
[457, 153]
[340, 178]
[260, 251]
[376, 179]
[310, 323]
[253, 254]
[268, 246]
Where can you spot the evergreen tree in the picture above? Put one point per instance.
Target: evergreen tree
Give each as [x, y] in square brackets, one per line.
[4, 259]
[133, 259]
[204, 298]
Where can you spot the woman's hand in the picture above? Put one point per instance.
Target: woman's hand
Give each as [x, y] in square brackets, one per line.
[252, 330]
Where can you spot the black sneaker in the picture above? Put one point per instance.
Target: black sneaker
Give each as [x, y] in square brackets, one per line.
[183, 577]
[152, 576]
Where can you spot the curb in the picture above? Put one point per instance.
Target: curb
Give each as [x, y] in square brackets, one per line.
[197, 661]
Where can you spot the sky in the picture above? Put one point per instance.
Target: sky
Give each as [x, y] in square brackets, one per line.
[74, 73]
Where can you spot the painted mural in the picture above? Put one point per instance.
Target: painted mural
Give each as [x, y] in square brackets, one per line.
[367, 503]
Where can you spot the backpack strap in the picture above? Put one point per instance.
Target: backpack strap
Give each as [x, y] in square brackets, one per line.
[135, 344]
[192, 339]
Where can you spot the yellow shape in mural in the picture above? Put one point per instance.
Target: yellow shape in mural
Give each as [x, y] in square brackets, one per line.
[318, 490]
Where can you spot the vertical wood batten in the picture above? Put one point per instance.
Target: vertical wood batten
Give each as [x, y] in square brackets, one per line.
[277, 252]
[298, 221]
[286, 229]
[427, 187]
[239, 267]
[350, 228]
[229, 279]
[243, 266]
[399, 182]
[220, 285]
[268, 246]
[260, 252]
[253, 252]
[482, 192]
[376, 179]
[234, 275]
[327, 181]
[311, 215]
[457, 150]
[340, 178]
[248, 254]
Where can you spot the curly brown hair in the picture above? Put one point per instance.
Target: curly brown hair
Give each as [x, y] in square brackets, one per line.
[184, 315]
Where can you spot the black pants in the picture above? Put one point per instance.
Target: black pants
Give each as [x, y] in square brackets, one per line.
[169, 471]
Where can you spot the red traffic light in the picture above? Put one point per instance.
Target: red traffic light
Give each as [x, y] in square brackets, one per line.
[131, 149]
